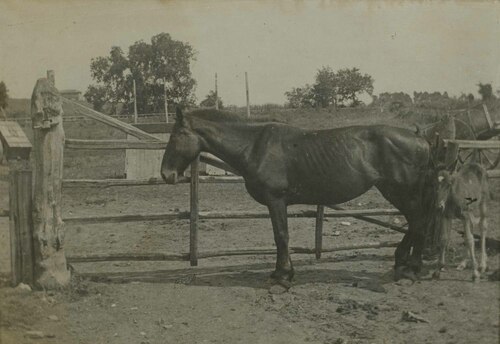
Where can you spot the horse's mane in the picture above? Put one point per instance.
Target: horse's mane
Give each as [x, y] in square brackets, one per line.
[225, 116]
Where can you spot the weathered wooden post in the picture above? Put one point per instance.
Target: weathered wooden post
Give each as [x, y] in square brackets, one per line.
[17, 152]
[48, 141]
[318, 237]
[193, 219]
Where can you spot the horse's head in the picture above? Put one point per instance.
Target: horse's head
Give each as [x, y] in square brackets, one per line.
[182, 148]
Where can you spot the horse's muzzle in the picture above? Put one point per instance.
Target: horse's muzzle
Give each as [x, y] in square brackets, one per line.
[171, 178]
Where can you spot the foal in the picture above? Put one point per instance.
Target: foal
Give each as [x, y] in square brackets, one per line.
[463, 195]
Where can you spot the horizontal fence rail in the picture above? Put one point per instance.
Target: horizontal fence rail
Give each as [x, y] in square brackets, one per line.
[68, 183]
[486, 144]
[216, 215]
[114, 144]
[86, 258]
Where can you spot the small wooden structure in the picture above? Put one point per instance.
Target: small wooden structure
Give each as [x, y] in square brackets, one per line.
[17, 151]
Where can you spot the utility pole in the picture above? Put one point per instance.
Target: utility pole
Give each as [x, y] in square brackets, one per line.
[248, 96]
[165, 98]
[135, 102]
[216, 94]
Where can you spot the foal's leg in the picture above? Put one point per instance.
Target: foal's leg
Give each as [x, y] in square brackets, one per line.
[469, 239]
[283, 273]
[483, 227]
[445, 231]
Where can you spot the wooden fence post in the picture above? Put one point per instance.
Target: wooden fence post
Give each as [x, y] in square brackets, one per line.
[193, 218]
[51, 271]
[318, 242]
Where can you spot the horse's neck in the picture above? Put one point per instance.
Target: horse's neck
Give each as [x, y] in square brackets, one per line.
[230, 142]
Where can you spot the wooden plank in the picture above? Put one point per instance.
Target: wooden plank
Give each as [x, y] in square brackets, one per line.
[214, 161]
[318, 235]
[156, 127]
[114, 144]
[493, 173]
[214, 215]
[103, 183]
[480, 144]
[25, 222]
[14, 140]
[144, 164]
[15, 245]
[372, 220]
[128, 256]
[4, 213]
[193, 219]
[115, 123]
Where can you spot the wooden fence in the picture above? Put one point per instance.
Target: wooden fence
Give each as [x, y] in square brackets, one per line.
[22, 221]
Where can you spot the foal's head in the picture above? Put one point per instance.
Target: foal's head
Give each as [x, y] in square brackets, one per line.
[444, 183]
[182, 148]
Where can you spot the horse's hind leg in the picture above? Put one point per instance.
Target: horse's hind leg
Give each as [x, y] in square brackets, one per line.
[469, 239]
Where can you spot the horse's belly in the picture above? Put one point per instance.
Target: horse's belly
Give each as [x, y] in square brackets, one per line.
[327, 193]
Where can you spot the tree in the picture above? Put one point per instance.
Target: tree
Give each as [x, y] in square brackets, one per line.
[339, 88]
[351, 83]
[96, 95]
[209, 100]
[486, 91]
[151, 65]
[4, 99]
[325, 88]
[300, 97]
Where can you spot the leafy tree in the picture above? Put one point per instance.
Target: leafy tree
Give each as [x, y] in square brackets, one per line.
[151, 65]
[4, 102]
[209, 100]
[332, 88]
[4, 95]
[351, 83]
[96, 95]
[301, 97]
[486, 91]
[325, 89]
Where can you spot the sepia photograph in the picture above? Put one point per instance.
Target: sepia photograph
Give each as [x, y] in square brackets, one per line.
[249, 171]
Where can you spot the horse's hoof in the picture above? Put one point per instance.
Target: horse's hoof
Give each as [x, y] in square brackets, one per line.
[462, 265]
[476, 277]
[436, 275]
[277, 289]
[404, 273]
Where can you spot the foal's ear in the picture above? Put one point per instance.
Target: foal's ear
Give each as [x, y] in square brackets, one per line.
[179, 116]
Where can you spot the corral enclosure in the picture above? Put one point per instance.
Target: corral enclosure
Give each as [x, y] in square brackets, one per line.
[344, 295]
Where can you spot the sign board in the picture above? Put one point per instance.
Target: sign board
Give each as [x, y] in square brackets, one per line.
[15, 143]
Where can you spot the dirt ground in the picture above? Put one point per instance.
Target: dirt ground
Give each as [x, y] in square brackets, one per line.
[345, 297]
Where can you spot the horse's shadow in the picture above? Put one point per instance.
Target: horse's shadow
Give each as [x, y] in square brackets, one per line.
[256, 275]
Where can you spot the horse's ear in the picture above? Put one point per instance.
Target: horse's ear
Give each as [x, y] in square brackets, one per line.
[179, 116]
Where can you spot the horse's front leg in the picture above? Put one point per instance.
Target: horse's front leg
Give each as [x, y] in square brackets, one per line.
[283, 273]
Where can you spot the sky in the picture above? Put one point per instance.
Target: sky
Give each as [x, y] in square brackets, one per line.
[405, 46]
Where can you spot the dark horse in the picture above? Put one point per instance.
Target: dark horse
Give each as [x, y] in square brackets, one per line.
[284, 165]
